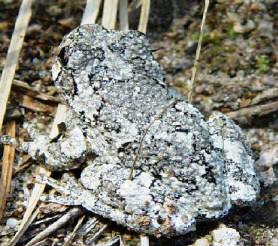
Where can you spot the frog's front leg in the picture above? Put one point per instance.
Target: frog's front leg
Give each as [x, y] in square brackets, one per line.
[239, 169]
[66, 151]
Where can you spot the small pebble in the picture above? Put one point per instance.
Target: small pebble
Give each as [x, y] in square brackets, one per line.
[11, 223]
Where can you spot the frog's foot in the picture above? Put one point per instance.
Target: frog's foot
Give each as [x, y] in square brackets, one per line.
[243, 186]
[8, 140]
[14, 142]
[70, 190]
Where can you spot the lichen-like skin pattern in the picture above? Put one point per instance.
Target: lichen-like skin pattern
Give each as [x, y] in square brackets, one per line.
[151, 162]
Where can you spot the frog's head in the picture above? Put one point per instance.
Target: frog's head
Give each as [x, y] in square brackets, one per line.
[91, 55]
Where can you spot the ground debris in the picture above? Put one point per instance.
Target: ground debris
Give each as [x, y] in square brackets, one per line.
[237, 70]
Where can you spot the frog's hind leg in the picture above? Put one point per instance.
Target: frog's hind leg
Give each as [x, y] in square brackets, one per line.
[241, 179]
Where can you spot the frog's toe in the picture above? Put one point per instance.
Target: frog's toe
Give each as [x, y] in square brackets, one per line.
[64, 200]
[62, 188]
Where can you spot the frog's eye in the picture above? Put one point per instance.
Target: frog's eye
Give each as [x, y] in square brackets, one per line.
[63, 56]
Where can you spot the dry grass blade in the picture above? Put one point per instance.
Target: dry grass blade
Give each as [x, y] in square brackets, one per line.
[7, 168]
[88, 226]
[39, 188]
[109, 14]
[91, 12]
[97, 235]
[144, 240]
[114, 241]
[122, 241]
[72, 214]
[266, 95]
[198, 51]
[59, 117]
[135, 4]
[43, 242]
[72, 235]
[245, 115]
[47, 220]
[8, 73]
[23, 228]
[144, 16]
[35, 104]
[124, 15]
[26, 89]
[143, 137]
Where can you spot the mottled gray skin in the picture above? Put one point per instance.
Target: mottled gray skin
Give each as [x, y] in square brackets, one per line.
[121, 113]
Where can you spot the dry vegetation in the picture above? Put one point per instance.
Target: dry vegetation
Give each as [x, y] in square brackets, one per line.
[237, 74]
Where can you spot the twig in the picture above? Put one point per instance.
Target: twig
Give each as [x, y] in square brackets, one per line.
[46, 220]
[72, 235]
[109, 14]
[88, 226]
[245, 115]
[123, 15]
[144, 16]
[23, 227]
[91, 12]
[7, 168]
[35, 105]
[266, 95]
[122, 241]
[59, 118]
[144, 240]
[114, 241]
[198, 51]
[8, 73]
[40, 243]
[135, 4]
[145, 8]
[98, 233]
[32, 92]
[72, 214]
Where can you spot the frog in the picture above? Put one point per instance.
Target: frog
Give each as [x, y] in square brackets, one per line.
[148, 159]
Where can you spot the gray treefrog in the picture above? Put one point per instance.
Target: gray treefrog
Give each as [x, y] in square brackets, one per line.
[150, 161]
